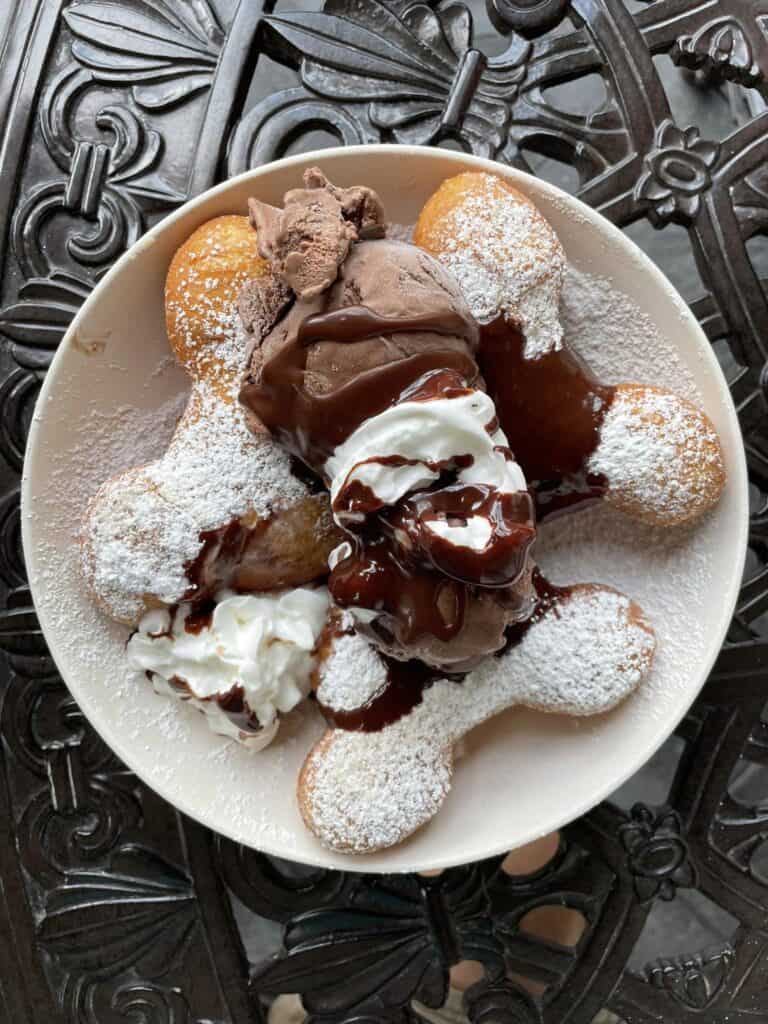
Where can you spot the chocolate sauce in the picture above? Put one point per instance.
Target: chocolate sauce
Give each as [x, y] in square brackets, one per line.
[234, 706]
[201, 616]
[231, 558]
[355, 500]
[554, 497]
[547, 594]
[310, 479]
[232, 703]
[413, 602]
[510, 516]
[312, 425]
[407, 681]
[500, 562]
[551, 408]
[402, 692]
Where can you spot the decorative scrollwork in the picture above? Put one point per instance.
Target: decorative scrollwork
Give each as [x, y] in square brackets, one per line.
[18, 395]
[694, 982]
[44, 309]
[80, 825]
[416, 76]
[261, 886]
[139, 882]
[96, 1002]
[528, 17]
[262, 134]
[488, 1003]
[108, 176]
[166, 51]
[722, 50]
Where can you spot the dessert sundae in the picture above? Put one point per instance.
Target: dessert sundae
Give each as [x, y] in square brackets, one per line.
[347, 510]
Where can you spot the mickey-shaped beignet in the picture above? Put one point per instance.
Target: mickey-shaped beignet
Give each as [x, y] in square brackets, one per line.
[221, 507]
[384, 767]
[643, 449]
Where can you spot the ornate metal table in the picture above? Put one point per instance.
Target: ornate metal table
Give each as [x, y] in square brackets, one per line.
[113, 907]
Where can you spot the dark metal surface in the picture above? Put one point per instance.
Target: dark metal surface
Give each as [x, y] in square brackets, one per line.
[113, 908]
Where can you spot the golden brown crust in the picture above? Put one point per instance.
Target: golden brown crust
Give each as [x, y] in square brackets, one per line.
[672, 470]
[203, 282]
[359, 792]
[660, 455]
[387, 794]
[292, 548]
[432, 231]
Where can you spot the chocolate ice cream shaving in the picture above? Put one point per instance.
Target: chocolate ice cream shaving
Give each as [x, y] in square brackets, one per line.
[308, 240]
[359, 204]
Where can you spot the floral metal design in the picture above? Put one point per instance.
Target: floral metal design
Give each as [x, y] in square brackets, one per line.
[657, 853]
[111, 178]
[677, 172]
[166, 51]
[419, 74]
[36, 322]
[391, 940]
[112, 906]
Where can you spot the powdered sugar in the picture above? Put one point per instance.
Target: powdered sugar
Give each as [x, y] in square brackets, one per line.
[363, 792]
[195, 310]
[658, 452]
[252, 799]
[352, 676]
[616, 338]
[506, 259]
[580, 657]
[668, 572]
[144, 526]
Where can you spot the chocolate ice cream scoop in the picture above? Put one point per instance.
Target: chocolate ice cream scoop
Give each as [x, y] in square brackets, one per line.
[308, 240]
[342, 357]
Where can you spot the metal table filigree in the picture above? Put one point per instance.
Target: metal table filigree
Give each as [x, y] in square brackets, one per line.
[113, 907]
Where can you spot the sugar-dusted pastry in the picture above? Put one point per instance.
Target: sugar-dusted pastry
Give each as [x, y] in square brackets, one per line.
[221, 507]
[642, 449]
[384, 766]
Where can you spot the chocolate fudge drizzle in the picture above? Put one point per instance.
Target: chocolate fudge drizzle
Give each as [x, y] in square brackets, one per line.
[402, 692]
[407, 681]
[311, 426]
[223, 562]
[510, 516]
[551, 408]
[501, 561]
[409, 589]
[232, 703]
[414, 600]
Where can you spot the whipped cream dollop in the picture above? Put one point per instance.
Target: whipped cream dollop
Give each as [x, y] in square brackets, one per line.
[258, 646]
[406, 448]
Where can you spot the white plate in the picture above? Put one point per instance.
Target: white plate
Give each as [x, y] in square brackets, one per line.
[524, 774]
